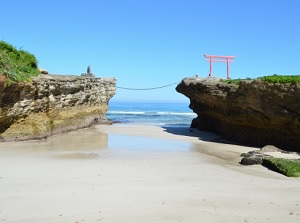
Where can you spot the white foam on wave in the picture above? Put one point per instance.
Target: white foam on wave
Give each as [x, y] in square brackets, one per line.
[177, 113]
[126, 112]
[151, 113]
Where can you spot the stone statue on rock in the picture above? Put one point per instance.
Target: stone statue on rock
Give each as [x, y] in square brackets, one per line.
[88, 73]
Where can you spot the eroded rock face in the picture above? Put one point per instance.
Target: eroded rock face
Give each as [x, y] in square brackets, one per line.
[253, 112]
[52, 104]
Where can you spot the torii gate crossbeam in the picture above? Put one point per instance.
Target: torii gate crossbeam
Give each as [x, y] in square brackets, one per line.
[214, 58]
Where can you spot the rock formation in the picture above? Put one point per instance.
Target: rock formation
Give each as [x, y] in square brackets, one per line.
[52, 104]
[257, 156]
[43, 71]
[252, 112]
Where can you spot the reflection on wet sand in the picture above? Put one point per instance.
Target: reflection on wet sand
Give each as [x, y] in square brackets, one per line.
[79, 156]
[79, 141]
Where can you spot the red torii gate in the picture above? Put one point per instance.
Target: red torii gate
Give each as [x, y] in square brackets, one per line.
[213, 58]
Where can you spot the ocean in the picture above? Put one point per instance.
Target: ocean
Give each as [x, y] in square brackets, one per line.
[151, 113]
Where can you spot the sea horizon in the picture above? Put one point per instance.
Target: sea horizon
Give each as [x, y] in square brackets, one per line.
[151, 113]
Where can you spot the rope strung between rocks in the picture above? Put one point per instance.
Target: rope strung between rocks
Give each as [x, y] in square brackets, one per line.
[146, 89]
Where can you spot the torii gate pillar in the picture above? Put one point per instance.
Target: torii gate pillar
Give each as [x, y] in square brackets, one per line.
[213, 58]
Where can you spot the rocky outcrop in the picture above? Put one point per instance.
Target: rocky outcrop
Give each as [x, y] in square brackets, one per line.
[43, 71]
[252, 112]
[257, 156]
[52, 104]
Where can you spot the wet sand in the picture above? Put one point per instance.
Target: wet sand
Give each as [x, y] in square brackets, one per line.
[127, 173]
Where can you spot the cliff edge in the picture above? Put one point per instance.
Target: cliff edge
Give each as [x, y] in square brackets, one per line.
[51, 104]
[253, 112]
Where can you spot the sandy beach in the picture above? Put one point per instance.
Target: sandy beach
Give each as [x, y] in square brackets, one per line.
[133, 173]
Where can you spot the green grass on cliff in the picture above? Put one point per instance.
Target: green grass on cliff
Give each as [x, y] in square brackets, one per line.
[17, 65]
[234, 81]
[286, 167]
[275, 78]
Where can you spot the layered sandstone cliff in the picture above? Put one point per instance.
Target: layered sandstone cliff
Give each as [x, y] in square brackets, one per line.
[52, 104]
[252, 112]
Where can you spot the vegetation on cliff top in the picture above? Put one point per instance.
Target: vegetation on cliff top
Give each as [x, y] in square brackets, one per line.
[234, 81]
[275, 78]
[286, 167]
[17, 65]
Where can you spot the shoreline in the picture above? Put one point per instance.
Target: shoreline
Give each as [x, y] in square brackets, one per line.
[134, 173]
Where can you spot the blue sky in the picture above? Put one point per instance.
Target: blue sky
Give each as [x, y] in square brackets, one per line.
[149, 43]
